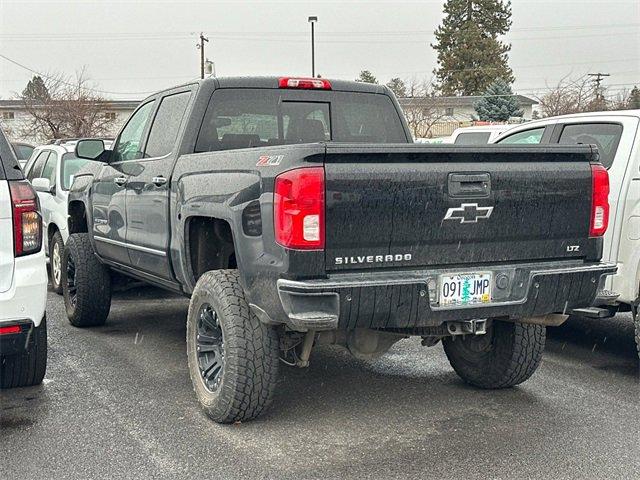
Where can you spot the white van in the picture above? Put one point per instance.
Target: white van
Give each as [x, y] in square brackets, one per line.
[617, 136]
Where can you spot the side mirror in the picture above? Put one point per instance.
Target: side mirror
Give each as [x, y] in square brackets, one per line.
[42, 185]
[89, 148]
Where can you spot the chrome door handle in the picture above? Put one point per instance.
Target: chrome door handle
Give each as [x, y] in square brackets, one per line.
[157, 181]
[120, 181]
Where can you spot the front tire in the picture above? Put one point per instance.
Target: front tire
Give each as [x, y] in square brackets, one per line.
[507, 355]
[56, 248]
[232, 356]
[86, 283]
[26, 369]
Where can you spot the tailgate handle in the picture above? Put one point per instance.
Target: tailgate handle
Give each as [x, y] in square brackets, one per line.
[463, 185]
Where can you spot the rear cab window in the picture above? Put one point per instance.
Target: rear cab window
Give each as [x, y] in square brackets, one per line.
[246, 118]
[605, 136]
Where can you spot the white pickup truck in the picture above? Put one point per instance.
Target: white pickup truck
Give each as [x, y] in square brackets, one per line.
[617, 136]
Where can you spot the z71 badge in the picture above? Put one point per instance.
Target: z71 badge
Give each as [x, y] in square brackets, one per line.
[269, 160]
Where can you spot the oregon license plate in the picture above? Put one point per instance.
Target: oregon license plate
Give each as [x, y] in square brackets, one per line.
[465, 289]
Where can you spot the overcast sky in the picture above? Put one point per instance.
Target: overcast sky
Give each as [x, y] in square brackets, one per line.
[133, 48]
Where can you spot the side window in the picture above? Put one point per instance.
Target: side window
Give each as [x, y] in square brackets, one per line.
[528, 137]
[49, 170]
[164, 130]
[472, 138]
[606, 136]
[130, 140]
[38, 165]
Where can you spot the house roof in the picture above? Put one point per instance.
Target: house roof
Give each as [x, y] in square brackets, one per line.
[108, 104]
[461, 101]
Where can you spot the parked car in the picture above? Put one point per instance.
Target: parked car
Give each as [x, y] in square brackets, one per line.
[297, 212]
[23, 278]
[480, 135]
[617, 136]
[23, 151]
[50, 170]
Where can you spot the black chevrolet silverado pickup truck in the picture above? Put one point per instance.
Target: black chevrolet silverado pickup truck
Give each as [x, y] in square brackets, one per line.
[297, 212]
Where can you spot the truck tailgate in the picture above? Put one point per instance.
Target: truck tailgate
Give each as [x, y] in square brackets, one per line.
[399, 206]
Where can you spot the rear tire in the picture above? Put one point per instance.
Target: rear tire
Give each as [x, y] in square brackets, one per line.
[507, 355]
[232, 356]
[636, 321]
[86, 283]
[26, 369]
[56, 249]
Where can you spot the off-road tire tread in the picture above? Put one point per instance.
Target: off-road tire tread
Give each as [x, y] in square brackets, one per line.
[517, 352]
[26, 369]
[251, 352]
[57, 237]
[93, 283]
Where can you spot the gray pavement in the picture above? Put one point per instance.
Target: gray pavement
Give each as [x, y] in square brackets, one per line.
[117, 402]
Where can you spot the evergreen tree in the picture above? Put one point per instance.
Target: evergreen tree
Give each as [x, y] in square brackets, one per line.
[398, 87]
[634, 99]
[36, 90]
[498, 103]
[367, 77]
[470, 56]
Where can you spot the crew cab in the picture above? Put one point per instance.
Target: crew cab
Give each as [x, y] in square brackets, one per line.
[616, 134]
[23, 278]
[297, 212]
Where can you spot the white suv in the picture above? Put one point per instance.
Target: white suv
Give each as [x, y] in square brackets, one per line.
[50, 170]
[23, 278]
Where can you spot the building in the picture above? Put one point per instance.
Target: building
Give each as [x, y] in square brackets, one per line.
[14, 117]
[440, 116]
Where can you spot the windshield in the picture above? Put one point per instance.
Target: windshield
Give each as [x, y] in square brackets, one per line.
[70, 166]
[245, 118]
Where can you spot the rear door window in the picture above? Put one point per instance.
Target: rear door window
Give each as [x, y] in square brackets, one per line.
[166, 124]
[49, 170]
[605, 136]
[526, 137]
[38, 165]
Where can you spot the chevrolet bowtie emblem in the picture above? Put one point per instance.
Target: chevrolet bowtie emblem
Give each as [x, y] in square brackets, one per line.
[468, 213]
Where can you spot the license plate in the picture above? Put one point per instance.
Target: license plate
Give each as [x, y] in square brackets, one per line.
[465, 289]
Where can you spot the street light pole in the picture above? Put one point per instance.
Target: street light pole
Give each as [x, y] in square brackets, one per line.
[312, 21]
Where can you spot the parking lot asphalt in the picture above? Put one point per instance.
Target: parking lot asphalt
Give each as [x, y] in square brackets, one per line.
[117, 402]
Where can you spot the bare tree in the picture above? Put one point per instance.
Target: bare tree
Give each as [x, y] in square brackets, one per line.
[60, 107]
[422, 108]
[572, 96]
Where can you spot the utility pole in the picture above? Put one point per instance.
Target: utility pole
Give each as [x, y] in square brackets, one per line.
[312, 21]
[597, 80]
[200, 46]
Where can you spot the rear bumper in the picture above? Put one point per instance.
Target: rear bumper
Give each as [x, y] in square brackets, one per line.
[409, 299]
[17, 343]
[27, 297]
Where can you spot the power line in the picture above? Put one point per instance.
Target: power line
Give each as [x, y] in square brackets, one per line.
[95, 90]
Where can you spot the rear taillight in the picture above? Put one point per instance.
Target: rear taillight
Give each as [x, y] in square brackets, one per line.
[299, 208]
[599, 201]
[305, 83]
[10, 329]
[27, 222]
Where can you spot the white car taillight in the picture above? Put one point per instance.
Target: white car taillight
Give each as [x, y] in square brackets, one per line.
[27, 222]
[599, 201]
